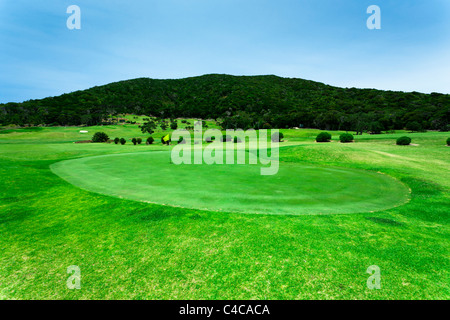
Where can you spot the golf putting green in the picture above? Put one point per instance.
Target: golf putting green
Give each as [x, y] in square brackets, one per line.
[296, 189]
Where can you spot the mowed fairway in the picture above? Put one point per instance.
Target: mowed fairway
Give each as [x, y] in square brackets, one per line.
[296, 188]
[130, 249]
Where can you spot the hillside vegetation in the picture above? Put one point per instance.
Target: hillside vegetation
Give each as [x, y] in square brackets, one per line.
[240, 102]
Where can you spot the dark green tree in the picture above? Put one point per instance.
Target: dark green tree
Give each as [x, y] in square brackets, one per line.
[346, 137]
[148, 127]
[375, 127]
[323, 137]
[413, 126]
[100, 137]
[404, 141]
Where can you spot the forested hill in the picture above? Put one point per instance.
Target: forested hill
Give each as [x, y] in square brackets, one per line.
[239, 101]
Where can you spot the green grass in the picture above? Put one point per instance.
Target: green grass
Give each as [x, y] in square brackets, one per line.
[52, 135]
[134, 250]
[295, 189]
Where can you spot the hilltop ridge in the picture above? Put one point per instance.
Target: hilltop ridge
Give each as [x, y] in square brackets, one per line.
[239, 101]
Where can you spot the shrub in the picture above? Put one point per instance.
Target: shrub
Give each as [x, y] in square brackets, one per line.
[277, 137]
[323, 137]
[150, 140]
[122, 141]
[404, 141]
[139, 140]
[100, 137]
[174, 125]
[183, 121]
[116, 140]
[134, 141]
[346, 137]
[448, 141]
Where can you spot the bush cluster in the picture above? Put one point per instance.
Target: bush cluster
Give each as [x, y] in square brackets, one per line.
[323, 137]
[404, 141]
[100, 137]
[346, 137]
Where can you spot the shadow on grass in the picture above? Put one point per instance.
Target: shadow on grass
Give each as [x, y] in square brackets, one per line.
[15, 214]
[385, 221]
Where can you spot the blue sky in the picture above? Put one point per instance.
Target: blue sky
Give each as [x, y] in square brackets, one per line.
[321, 40]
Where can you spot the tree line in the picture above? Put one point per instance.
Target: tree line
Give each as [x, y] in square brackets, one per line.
[239, 102]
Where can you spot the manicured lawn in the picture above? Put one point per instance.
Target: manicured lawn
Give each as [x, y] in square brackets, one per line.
[295, 189]
[135, 250]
